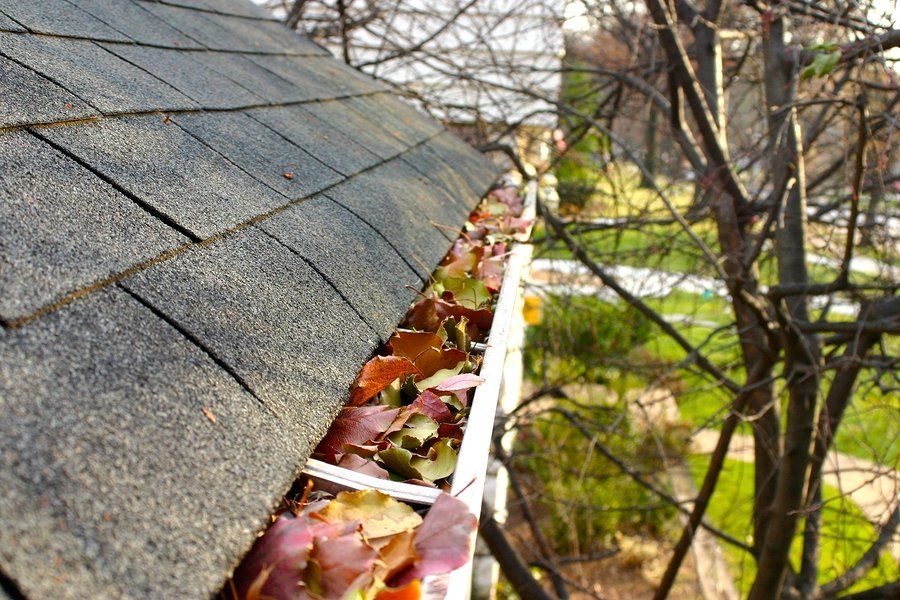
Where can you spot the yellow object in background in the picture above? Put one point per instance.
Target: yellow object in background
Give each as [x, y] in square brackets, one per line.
[531, 311]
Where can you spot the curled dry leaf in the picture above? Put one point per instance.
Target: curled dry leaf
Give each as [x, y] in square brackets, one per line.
[356, 425]
[395, 555]
[418, 429]
[460, 382]
[439, 462]
[377, 374]
[379, 514]
[429, 312]
[438, 378]
[430, 404]
[278, 559]
[425, 350]
[339, 565]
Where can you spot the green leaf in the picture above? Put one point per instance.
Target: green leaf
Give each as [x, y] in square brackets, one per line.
[390, 395]
[822, 64]
[436, 379]
[467, 291]
[454, 330]
[440, 462]
[418, 429]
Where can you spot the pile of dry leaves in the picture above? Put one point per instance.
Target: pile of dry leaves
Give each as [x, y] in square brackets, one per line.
[404, 421]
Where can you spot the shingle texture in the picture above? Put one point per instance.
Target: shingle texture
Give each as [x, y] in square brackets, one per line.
[206, 226]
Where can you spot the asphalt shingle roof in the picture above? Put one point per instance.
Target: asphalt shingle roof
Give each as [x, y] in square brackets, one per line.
[206, 226]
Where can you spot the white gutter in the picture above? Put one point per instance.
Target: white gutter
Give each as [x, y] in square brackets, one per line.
[474, 454]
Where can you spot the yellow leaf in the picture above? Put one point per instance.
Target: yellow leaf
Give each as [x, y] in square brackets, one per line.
[379, 514]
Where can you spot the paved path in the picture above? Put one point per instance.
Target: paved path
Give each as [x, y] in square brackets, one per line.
[650, 409]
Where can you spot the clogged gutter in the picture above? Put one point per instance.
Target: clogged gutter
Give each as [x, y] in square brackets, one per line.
[404, 421]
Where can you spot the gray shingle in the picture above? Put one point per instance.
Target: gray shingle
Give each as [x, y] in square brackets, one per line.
[99, 77]
[329, 145]
[269, 316]
[477, 169]
[209, 88]
[170, 170]
[356, 259]
[7, 24]
[222, 32]
[398, 202]
[115, 482]
[136, 23]
[301, 74]
[264, 36]
[59, 17]
[225, 7]
[348, 78]
[396, 117]
[194, 24]
[323, 77]
[444, 175]
[237, 67]
[260, 151]
[26, 97]
[63, 228]
[356, 126]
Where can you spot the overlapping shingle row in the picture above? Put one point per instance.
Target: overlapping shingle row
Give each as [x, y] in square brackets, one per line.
[206, 225]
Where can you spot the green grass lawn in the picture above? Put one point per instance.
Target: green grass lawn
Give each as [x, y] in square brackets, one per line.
[845, 532]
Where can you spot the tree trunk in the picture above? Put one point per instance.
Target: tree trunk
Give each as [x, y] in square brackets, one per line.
[512, 565]
[651, 145]
[801, 350]
[732, 233]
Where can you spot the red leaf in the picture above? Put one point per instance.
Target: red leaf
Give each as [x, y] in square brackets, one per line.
[344, 564]
[443, 540]
[450, 431]
[460, 382]
[354, 462]
[509, 196]
[376, 375]
[430, 404]
[279, 557]
[356, 425]
[490, 269]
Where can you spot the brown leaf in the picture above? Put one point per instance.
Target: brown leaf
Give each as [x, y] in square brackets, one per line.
[377, 374]
[426, 351]
[396, 555]
[379, 514]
